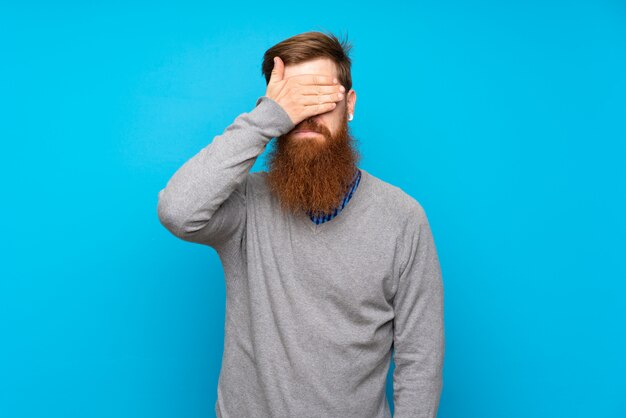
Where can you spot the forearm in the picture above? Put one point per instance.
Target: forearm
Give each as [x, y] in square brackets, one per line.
[417, 383]
[204, 182]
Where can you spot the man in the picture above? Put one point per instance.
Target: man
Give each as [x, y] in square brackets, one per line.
[329, 269]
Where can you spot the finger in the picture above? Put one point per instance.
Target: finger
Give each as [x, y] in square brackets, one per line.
[320, 89]
[318, 108]
[309, 79]
[321, 99]
[278, 71]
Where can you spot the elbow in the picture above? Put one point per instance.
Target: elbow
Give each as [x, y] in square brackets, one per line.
[169, 216]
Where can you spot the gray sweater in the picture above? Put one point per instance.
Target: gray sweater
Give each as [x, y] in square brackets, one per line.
[313, 312]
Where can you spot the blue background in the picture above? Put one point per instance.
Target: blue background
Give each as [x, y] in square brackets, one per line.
[506, 120]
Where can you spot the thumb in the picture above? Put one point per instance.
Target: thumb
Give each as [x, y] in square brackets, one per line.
[278, 71]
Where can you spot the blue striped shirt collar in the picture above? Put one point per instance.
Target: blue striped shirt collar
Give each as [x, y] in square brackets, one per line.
[328, 216]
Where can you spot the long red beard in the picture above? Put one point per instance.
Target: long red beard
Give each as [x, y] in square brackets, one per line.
[308, 174]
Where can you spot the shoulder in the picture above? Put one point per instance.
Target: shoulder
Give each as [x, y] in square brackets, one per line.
[256, 183]
[406, 219]
[397, 203]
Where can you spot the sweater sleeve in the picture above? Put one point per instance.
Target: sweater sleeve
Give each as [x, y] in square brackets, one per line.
[419, 329]
[205, 201]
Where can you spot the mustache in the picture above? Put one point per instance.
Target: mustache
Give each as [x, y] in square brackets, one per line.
[310, 126]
